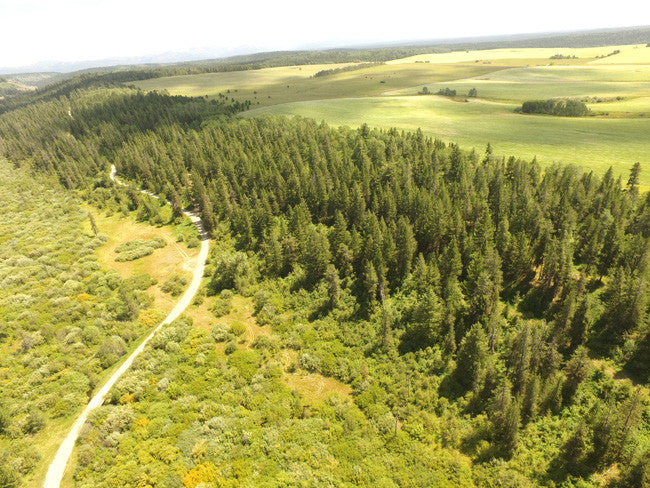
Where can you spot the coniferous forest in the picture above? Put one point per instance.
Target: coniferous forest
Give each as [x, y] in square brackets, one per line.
[476, 307]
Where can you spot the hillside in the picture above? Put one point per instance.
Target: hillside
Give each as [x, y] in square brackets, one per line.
[380, 307]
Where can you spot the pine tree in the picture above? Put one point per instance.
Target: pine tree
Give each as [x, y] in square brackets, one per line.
[93, 224]
[315, 254]
[405, 248]
[575, 451]
[333, 286]
[577, 371]
[370, 283]
[633, 180]
[472, 358]
[505, 421]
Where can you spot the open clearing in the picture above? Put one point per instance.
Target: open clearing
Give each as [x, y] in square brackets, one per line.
[315, 387]
[174, 258]
[241, 312]
[520, 84]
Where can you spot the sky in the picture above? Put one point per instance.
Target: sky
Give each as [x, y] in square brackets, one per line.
[77, 30]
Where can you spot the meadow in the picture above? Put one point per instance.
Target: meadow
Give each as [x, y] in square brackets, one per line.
[68, 310]
[628, 53]
[272, 86]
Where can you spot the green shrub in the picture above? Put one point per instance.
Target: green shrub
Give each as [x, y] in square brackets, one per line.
[446, 92]
[174, 285]
[232, 270]
[231, 347]
[245, 362]
[237, 328]
[138, 248]
[222, 304]
[309, 362]
[220, 332]
[34, 422]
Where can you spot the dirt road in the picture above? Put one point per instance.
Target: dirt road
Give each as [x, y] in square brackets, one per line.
[58, 465]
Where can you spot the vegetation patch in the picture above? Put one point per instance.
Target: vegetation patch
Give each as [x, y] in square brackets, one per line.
[174, 285]
[559, 108]
[65, 320]
[138, 248]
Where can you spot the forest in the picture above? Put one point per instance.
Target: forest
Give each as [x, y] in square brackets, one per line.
[489, 316]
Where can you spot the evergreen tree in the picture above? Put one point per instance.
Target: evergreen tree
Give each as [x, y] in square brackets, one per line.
[333, 286]
[405, 248]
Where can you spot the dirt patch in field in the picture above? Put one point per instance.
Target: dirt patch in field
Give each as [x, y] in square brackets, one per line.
[315, 387]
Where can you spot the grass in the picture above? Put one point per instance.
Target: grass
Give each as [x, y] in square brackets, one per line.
[315, 387]
[48, 441]
[174, 258]
[639, 54]
[517, 85]
[312, 386]
[596, 143]
[241, 312]
[583, 54]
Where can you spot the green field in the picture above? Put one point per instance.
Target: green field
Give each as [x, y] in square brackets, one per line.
[271, 86]
[616, 88]
[628, 54]
[631, 83]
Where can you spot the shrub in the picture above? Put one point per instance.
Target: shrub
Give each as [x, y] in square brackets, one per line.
[174, 285]
[221, 332]
[8, 478]
[222, 304]
[110, 350]
[309, 362]
[34, 422]
[446, 92]
[237, 328]
[233, 270]
[230, 347]
[138, 248]
[245, 362]
[266, 343]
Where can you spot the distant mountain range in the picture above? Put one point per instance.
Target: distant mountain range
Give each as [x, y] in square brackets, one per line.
[243, 54]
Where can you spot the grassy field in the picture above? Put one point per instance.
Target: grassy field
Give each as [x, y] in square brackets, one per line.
[615, 86]
[596, 143]
[627, 53]
[630, 83]
[272, 86]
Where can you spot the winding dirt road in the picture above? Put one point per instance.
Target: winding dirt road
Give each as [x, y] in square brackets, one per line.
[57, 468]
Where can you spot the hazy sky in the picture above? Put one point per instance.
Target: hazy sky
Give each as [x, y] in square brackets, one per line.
[75, 30]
